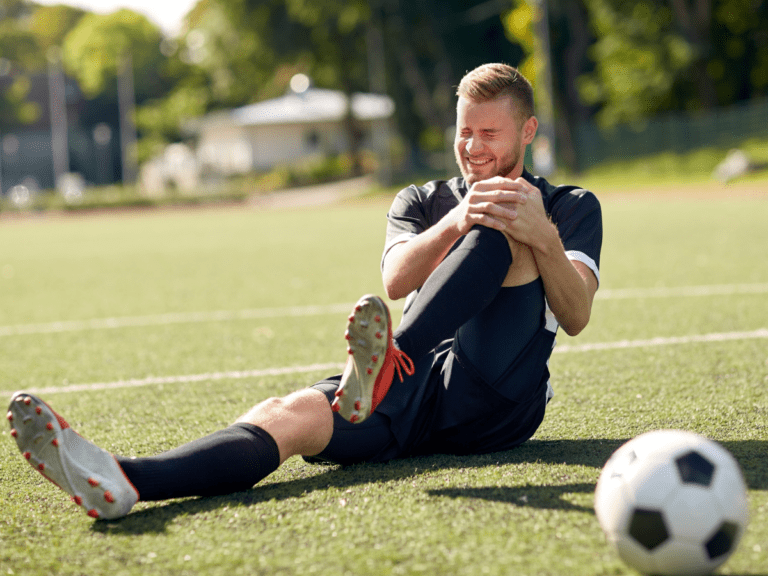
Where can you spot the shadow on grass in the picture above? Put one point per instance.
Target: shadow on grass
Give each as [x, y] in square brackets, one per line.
[589, 452]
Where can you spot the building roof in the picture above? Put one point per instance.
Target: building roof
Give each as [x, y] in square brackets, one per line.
[313, 105]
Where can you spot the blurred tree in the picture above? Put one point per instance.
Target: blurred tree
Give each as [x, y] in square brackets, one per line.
[654, 56]
[51, 24]
[95, 47]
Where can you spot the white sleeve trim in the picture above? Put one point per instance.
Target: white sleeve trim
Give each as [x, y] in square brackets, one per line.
[584, 259]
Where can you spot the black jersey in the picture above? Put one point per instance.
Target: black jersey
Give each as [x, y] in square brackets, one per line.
[575, 211]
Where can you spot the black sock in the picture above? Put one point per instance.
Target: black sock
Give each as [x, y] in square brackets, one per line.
[230, 460]
[461, 286]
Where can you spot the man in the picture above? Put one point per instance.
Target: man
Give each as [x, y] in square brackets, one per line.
[493, 262]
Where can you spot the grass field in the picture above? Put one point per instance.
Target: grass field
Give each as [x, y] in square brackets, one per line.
[148, 329]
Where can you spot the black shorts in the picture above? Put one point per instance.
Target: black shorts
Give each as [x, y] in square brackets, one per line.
[449, 411]
[484, 390]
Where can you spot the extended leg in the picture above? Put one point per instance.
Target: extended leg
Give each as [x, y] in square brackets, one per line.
[228, 460]
[237, 457]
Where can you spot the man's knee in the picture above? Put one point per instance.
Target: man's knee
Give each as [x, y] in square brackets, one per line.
[300, 423]
[492, 243]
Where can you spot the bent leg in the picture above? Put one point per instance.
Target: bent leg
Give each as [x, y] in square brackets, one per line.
[464, 283]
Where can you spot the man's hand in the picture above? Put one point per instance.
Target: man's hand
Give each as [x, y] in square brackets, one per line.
[493, 203]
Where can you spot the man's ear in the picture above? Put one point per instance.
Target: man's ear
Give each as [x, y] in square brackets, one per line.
[529, 129]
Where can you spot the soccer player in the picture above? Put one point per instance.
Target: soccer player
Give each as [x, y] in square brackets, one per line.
[492, 263]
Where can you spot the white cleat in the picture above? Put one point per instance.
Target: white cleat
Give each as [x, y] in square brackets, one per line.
[88, 473]
[373, 360]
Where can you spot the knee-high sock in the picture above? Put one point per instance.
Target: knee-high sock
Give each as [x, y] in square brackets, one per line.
[464, 283]
[229, 460]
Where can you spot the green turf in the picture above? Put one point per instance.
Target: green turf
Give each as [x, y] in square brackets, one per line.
[526, 511]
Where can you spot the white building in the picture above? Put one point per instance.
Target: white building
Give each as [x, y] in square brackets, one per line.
[294, 128]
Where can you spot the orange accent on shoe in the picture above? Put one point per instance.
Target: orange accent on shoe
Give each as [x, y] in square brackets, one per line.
[395, 359]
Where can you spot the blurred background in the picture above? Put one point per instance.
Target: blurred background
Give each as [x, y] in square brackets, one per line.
[237, 97]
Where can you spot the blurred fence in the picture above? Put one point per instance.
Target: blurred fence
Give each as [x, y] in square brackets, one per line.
[26, 158]
[679, 132]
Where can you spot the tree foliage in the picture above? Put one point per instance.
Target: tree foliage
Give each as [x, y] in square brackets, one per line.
[654, 56]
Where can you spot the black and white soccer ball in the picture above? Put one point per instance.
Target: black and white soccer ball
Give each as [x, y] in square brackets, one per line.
[672, 503]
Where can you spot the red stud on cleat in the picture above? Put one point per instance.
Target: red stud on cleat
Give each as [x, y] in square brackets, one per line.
[14, 433]
[339, 393]
[370, 371]
[354, 418]
[335, 407]
[357, 405]
[93, 482]
[55, 443]
[374, 358]
[27, 455]
[49, 426]
[39, 410]
[9, 416]
[41, 466]
[92, 513]
[77, 500]
[27, 400]
[377, 318]
[378, 335]
[108, 497]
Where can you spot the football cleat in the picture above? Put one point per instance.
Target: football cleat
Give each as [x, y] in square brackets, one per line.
[89, 474]
[373, 359]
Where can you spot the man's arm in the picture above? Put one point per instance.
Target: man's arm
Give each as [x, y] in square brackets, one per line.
[408, 264]
[570, 286]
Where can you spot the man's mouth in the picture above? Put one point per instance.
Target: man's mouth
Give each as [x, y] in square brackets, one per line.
[479, 161]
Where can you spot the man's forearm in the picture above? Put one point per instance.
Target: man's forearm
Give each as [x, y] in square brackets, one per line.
[408, 265]
[569, 286]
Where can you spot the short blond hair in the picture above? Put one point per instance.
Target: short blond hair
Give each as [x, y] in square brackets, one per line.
[491, 81]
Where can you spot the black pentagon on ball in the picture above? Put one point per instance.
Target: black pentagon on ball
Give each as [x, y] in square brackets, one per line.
[647, 527]
[695, 469]
[722, 540]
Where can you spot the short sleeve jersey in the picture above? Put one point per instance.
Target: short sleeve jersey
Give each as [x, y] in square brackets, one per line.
[575, 211]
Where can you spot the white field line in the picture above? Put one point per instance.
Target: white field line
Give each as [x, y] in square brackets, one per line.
[299, 311]
[237, 375]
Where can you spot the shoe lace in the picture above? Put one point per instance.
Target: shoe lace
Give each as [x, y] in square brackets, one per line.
[402, 361]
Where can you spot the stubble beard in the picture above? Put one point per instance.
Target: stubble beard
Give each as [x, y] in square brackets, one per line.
[508, 164]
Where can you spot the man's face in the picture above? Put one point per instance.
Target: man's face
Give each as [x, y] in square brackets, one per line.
[490, 140]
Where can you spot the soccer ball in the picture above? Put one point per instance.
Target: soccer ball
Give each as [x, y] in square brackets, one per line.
[672, 503]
